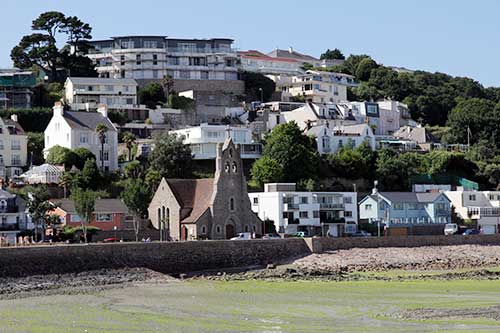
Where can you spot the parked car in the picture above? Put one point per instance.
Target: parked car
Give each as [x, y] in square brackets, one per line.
[361, 233]
[271, 236]
[450, 229]
[471, 232]
[243, 236]
[300, 234]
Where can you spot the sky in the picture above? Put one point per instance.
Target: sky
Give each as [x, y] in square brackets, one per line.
[455, 37]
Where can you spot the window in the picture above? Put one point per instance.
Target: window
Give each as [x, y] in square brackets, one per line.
[217, 229]
[203, 229]
[316, 214]
[204, 75]
[16, 159]
[235, 167]
[1, 143]
[255, 201]
[106, 155]
[184, 74]
[246, 228]
[398, 206]
[122, 60]
[15, 145]
[109, 88]
[150, 44]
[472, 197]
[368, 207]
[303, 215]
[122, 74]
[75, 218]
[347, 213]
[412, 206]
[155, 59]
[155, 74]
[104, 217]
[348, 200]
[231, 204]
[84, 138]
[138, 59]
[303, 200]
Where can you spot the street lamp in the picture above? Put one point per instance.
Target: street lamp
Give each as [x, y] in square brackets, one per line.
[261, 95]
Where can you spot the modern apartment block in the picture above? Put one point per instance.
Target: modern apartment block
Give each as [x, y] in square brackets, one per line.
[315, 213]
[316, 87]
[16, 89]
[204, 140]
[153, 57]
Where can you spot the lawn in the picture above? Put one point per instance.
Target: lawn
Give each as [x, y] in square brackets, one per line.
[255, 306]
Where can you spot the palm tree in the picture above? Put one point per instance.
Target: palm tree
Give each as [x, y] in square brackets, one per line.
[129, 139]
[65, 182]
[101, 130]
[167, 84]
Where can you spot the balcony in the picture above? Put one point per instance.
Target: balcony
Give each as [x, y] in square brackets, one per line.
[9, 226]
[331, 206]
[199, 50]
[291, 206]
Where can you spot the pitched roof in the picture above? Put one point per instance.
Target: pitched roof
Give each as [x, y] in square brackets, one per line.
[417, 134]
[358, 129]
[87, 120]
[18, 129]
[291, 54]
[193, 195]
[254, 54]
[99, 80]
[6, 195]
[411, 196]
[101, 206]
[315, 130]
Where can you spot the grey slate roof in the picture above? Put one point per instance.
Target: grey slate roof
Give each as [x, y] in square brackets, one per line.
[101, 206]
[87, 120]
[315, 130]
[6, 195]
[417, 134]
[410, 196]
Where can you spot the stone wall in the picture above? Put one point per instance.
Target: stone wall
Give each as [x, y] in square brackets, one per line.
[329, 244]
[174, 257]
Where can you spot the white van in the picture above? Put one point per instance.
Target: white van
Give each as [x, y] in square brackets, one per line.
[450, 229]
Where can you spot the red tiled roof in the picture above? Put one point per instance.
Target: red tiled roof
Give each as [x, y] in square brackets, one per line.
[193, 195]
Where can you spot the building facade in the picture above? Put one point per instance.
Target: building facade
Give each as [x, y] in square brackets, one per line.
[315, 213]
[13, 218]
[255, 61]
[205, 139]
[13, 147]
[153, 57]
[482, 207]
[75, 129]
[83, 93]
[350, 136]
[211, 208]
[16, 89]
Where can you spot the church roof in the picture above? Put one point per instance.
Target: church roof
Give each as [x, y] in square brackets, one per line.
[193, 195]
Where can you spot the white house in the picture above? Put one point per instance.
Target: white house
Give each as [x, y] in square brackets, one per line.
[316, 213]
[204, 139]
[311, 114]
[331, 140]
[483, 207]
[13, 216]
[13, 147]
[255, 61]
[316, 86]
[86, 93]
[74, 129]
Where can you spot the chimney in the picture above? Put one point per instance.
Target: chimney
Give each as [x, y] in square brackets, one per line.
[375, 190]
[58, 109]
[290, 49]
[13, 117]
[103, 109]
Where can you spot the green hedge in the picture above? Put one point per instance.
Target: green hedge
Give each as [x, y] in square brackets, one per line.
[31, 120]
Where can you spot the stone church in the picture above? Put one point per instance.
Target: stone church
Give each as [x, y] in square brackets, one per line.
[213, 208]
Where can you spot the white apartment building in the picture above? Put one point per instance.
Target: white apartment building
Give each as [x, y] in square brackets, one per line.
[316, 86]
[386, 117]
[13, 147]
[316, 213]
[153, 57]
[483, 207]
[86, 93]
[255, 61]
[330, 140]
[203, 140]
[74, 129]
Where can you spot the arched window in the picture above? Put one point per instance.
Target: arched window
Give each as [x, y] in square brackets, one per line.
[226, 167]
[163, 213]
[235, 168]
[167, 217]
[217, 229]
[246, 228]
[254, 228]
[203, 229]
[159, 216]
[230, 152]
[231, 204]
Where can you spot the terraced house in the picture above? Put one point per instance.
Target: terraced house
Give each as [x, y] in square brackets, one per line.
[13, 147]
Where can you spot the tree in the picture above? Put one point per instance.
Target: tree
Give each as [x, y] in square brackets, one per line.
[167, 84]
[152, 178]
[254, 82]
[40, 48]
[364, 69]
[179, 102]
[170, 156]
[83, 154]
[348, 163]
[90, 175]
[66, 181]
[133, 169]
[61, 156]
[36, 142]
[332, 54]
[267, 170]
[39, 206]
[101, 131]
[85, 206]
[152, 95]
[394, 170]
[288, 146]
[129, 139]
[136, 196]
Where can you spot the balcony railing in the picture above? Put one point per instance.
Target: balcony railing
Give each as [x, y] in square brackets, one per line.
[9, 226]
[291, 206]
[331, 206]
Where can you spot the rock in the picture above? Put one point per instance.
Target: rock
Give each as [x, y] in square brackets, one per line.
[271, 266]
